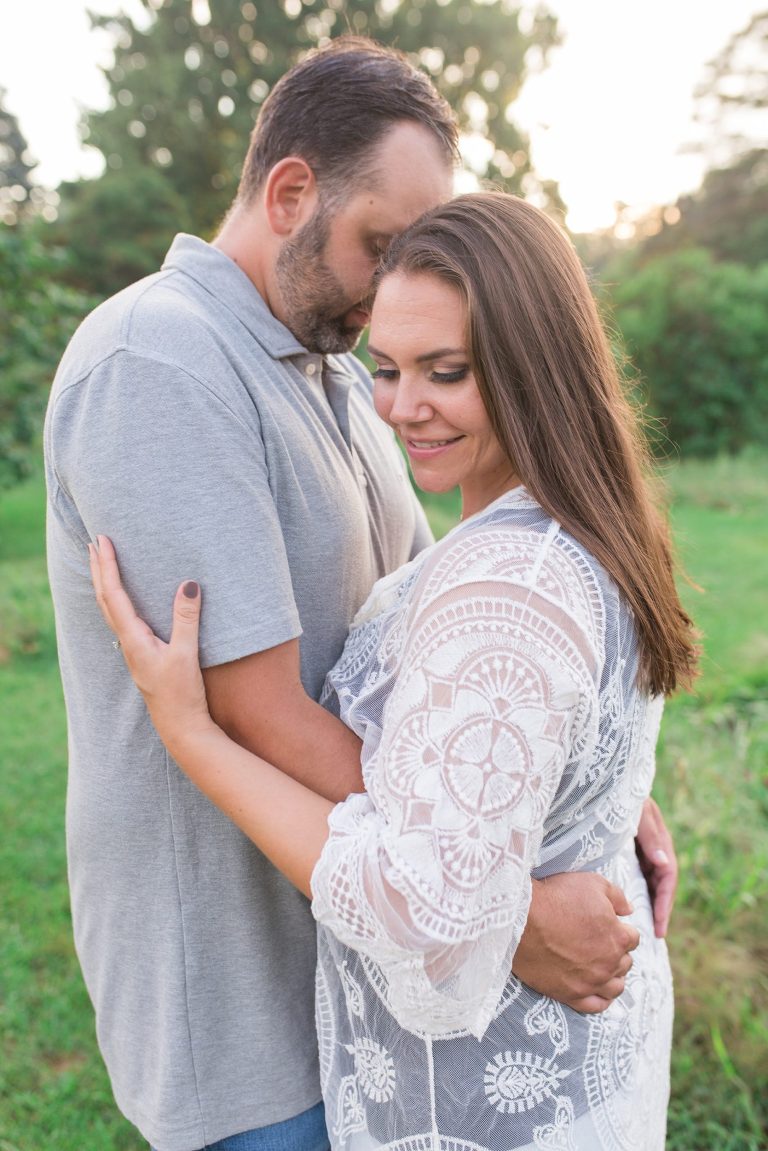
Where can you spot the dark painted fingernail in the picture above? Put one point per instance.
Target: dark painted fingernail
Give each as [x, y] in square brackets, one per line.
[191, 589]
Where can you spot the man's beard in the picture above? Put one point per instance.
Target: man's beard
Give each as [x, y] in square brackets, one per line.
[314, 301]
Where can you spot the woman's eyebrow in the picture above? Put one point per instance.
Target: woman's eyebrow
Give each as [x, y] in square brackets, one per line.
[426, 356]
[375, 352]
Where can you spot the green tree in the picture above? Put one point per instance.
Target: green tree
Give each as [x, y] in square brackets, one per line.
[696, 331]
[727, 215]
[732, 98]
[187, 82]
[117, 229]
[16, 165]
[37, 316]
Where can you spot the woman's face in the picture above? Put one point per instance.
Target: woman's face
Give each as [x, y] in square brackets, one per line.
[425, 389]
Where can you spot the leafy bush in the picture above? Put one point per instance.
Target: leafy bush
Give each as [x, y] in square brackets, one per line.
[37, 316]
[118, 228]
[696, 331]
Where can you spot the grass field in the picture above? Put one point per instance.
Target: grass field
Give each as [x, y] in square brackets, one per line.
[712, 783]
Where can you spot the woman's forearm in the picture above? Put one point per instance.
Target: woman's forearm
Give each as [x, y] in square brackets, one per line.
[286, 821]
[261, 703]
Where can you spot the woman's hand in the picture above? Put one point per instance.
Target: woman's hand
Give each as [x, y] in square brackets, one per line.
[286, 820]
[167, 674]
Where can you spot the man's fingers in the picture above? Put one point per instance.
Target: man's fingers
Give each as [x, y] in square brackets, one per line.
[625, 965]
[590, 1004]
[633, 937]
[663, 899]
[618, 900]
[656, 851]
[613, 988]
[186, 618]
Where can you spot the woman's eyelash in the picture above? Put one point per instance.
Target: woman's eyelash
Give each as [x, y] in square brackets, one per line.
[451, 377]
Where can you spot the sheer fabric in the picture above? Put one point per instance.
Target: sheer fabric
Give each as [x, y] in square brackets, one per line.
[492, 681]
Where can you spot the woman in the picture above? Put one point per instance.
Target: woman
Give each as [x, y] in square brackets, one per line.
[507, 686]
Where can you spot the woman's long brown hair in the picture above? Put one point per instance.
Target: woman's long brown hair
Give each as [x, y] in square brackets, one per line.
[552, 391]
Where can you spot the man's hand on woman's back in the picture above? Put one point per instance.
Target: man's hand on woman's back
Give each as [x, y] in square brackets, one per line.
[575, 948]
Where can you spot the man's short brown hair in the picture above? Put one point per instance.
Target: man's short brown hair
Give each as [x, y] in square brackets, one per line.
[333, 108]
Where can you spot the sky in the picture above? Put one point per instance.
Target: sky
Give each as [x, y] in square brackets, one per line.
[607, 119]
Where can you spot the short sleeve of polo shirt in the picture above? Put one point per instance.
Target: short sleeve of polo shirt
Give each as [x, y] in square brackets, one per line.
[177, 478]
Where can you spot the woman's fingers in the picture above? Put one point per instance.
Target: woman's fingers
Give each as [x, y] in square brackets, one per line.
[93, 563]
[137, 639]
[167, 674]
[112, 597]
[186, 619]
[120, 614]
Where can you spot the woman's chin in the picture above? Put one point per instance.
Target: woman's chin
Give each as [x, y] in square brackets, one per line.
[434, 487]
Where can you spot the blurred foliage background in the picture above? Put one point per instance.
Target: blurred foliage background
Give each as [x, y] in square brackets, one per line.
[186, 84]
[685, 292]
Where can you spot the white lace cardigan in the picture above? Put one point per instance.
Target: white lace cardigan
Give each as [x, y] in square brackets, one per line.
[493, 683]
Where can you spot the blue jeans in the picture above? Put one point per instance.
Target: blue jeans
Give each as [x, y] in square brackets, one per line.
[305, 1132]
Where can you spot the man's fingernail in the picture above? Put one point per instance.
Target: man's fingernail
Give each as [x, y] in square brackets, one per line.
[191, 589]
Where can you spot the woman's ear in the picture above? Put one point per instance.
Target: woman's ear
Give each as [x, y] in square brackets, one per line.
[290, 196]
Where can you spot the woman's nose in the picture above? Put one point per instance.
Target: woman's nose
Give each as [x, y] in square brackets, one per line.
[409, 404]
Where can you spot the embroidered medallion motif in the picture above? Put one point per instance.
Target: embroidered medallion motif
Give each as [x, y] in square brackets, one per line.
[517, 1082]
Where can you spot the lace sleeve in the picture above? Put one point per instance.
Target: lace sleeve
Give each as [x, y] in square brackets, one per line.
[429, 873]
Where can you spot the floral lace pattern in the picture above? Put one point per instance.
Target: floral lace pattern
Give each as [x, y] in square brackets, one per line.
[492, 681]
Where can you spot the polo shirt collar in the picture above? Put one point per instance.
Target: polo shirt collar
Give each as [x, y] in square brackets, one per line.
[217, 274]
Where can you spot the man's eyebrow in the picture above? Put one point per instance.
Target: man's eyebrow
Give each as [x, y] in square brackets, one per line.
[383, 239]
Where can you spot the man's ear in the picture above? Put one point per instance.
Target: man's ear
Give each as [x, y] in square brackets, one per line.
[290, 195]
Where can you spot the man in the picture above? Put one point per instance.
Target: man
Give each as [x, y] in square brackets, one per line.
[209, 420]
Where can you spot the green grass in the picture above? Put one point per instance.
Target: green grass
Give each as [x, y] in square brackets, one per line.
[712, 782]
[54, 1092]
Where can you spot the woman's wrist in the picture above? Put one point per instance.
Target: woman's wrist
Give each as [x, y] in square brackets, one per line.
[185, 738]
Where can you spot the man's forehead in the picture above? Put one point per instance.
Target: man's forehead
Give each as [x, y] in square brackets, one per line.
[392, 200]
[410, 157]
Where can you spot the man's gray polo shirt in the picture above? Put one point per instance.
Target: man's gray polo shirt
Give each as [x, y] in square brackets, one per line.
[189, 425]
